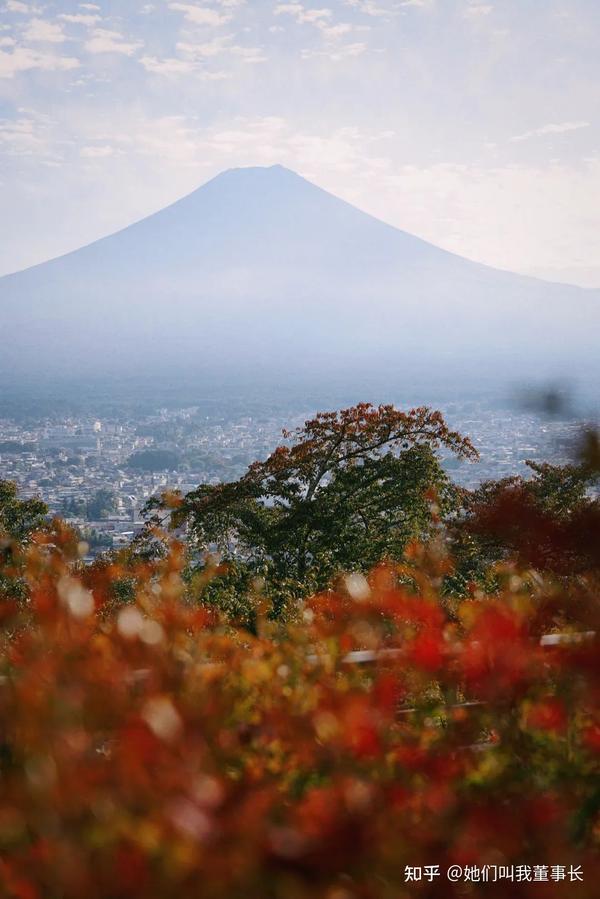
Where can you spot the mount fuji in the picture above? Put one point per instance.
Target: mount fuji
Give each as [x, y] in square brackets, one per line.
[260, 267]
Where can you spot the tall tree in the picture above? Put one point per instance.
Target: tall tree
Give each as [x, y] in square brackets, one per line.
[346, 490]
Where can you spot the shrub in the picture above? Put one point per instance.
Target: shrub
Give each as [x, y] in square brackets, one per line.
[154, 750]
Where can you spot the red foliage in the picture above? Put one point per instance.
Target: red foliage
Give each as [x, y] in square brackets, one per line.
[154, 751]
[565, 545]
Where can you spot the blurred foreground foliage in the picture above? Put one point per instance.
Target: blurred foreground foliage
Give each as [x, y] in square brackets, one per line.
[152, 745]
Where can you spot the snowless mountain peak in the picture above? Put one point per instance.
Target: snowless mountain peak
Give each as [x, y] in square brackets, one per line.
[260, 264]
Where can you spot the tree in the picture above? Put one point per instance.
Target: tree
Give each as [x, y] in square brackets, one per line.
[19, 519]
[101, 504]
[548, 521]
[153, 460]
[348, 489]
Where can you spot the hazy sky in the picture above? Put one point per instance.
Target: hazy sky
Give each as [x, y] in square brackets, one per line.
[473, 123]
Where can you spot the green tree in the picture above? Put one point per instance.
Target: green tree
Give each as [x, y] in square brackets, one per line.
[19, 519]
[102, 503]
[348, 489]
[153, 460]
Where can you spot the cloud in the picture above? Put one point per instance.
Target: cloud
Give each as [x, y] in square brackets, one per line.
[42, 31]
[87, 19]
[249, 55]
[193, 57]
[19, 137]
[475, 10]
[104, 41]
[23, 59]
[561, 128]
[99, 152]
[335, 31]
[221, 46]
[336, 54]
[170, 139]
[17, 6]
[370, 8]
[167, 66]
[31, 135]
[301, 14]
[205, 50]
[332, 32]
[543, 213]
[201, 15]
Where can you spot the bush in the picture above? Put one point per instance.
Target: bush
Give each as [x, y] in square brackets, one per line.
[154, 750]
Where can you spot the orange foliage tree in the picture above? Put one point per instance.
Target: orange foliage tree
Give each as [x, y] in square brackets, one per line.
[348, 489]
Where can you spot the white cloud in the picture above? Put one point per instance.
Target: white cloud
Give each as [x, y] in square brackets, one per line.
[301, 14]
[249, 55]
[314, 16]
[23, 59]
[104, 41]
[167, 66]
[332, 32]
[205, 50]
[201, 15]
[17, 6]
[42, 31]
[87, 19]
[475, 10]
[193, 57]
[216, 76]
[168, 138]
[98, 152]
[336, 53]
[542, 214]
[18, 136]
[7, 42]
[371, 8]
[292, 9]
[221, 46]
[561, 128]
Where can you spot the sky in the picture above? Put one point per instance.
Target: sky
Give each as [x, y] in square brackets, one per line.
[472, 123]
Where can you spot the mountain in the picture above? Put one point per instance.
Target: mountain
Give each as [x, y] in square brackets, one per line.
[261, 268]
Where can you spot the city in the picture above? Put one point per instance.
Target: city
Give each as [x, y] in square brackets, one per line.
[98, 473]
